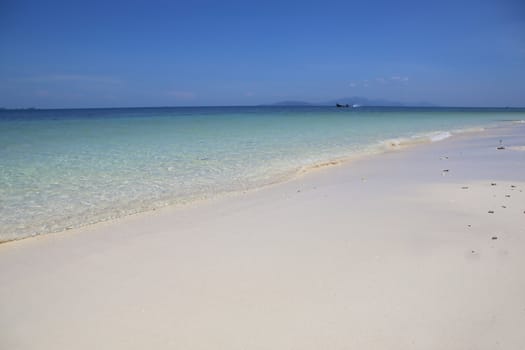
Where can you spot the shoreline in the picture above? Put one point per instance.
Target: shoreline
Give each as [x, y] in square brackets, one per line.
[389, 252]
[371, 150]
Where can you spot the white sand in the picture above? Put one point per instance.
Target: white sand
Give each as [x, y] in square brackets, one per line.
[377, 254]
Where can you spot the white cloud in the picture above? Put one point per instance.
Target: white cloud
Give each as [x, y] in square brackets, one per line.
[398, 78]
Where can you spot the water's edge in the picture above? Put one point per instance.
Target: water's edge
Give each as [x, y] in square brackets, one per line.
[375, 149]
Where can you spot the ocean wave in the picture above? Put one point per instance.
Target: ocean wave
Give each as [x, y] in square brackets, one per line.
[433, 136]
[469, 130]
[402, 142]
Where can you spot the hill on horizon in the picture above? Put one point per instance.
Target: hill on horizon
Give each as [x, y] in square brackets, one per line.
[362, 101]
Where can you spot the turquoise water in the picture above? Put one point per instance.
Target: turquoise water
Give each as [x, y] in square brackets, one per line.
[66, 168]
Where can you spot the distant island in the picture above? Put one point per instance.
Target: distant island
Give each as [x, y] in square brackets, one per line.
[361, 101]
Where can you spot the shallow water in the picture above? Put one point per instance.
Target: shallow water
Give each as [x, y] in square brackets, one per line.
[67, 168]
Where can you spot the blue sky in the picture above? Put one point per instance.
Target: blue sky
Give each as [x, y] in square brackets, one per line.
[179, 53]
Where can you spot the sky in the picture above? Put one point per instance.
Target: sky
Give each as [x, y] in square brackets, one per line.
[74, 54]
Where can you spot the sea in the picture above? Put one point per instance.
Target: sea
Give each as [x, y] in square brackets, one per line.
[67, 168]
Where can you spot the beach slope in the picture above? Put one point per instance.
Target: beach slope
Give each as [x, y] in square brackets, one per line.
[417, 249]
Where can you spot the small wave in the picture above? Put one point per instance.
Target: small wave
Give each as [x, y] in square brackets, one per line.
[403, 142]
[440, 136]
[468, 130]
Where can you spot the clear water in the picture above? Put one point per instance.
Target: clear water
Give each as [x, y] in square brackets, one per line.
[67, 168]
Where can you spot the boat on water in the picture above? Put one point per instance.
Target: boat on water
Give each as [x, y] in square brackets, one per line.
[355, 105]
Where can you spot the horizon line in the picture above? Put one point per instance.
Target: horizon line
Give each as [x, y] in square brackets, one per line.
[277, 105]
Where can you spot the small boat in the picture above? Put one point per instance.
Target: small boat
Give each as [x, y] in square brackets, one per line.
[341, 106]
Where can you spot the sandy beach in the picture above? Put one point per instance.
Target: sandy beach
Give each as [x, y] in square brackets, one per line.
[414, 249]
